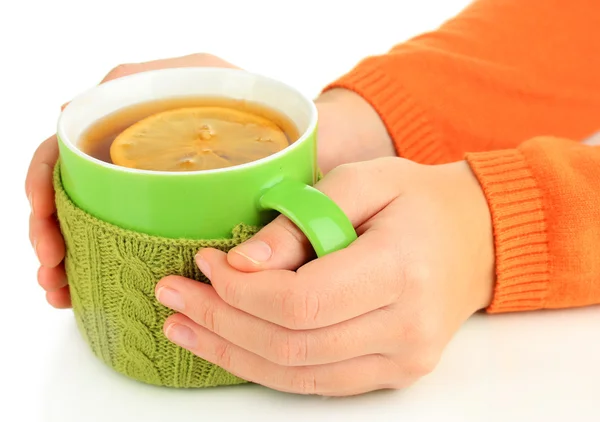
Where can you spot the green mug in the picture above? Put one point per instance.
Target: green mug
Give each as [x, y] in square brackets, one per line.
[202, 204]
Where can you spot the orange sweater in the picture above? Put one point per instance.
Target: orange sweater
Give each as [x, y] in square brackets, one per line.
[513, 86]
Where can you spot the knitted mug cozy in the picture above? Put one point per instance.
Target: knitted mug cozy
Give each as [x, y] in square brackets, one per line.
[112, 273]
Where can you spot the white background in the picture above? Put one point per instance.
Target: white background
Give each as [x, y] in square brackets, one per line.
[528, 367]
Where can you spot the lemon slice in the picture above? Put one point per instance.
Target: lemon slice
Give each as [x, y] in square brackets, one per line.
[196, 138]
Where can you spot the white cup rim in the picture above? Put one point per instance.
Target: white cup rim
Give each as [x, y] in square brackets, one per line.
[121, 83]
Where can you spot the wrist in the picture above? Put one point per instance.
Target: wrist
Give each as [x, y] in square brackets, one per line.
[350, 130]
[471, 216]
[483, 247]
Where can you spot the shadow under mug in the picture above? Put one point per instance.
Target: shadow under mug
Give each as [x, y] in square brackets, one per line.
[202, 204]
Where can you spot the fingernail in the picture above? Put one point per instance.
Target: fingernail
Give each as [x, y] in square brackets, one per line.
[170, 298]
[256, 251]
[30, 198]
[181, 335]
[203, 265]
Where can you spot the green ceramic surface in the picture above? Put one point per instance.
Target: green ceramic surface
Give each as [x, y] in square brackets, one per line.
[203, 204]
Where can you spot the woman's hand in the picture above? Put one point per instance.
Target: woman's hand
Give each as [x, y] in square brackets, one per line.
[345, 122]
[44, 232]
[375, 315]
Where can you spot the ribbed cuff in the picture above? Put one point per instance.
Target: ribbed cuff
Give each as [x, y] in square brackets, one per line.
[520, 230]
[413, 134]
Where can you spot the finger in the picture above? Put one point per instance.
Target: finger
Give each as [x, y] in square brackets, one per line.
[52, 279]
[366, 373]
[281, 245]
[264, 250]
[192, 60]
[362, 336]
[324, 292]
[60, 299]
[38, 184]
[47, 241]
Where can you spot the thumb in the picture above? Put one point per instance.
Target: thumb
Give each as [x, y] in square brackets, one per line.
[361, 190]
[279, 245]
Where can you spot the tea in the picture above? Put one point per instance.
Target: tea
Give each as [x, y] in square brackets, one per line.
[187, 134]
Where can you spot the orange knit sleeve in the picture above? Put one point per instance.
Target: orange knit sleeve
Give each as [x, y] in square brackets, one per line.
[544, 198]
[500, 72]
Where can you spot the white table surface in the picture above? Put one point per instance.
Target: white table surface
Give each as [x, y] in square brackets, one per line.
[526, 367]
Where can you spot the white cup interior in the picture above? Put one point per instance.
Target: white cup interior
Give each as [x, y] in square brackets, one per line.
[112, 96]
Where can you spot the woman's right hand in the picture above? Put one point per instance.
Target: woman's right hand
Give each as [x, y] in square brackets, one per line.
[349, 131]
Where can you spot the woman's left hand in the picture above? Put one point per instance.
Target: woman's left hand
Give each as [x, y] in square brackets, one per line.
[375, 315]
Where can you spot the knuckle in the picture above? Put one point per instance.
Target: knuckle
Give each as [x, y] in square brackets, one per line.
[419, 331]
[222, 353]
[418, 274]
[411, 281]
[201, 57]
[231, 293]
[349, 172]
[290, 349]
[348, 185]
[304, 382]
[392, 165]
[120, 70]
[207, 316]
[299, 309]
[423, 365]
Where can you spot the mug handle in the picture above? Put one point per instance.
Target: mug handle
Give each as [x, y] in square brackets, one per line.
[324, 224]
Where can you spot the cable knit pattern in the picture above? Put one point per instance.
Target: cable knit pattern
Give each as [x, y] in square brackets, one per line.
[112, 273]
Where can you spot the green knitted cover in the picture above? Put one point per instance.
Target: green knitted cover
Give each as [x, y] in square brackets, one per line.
[112, 273]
